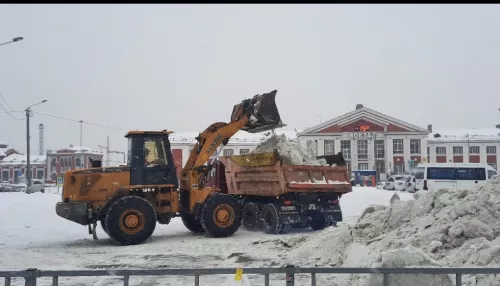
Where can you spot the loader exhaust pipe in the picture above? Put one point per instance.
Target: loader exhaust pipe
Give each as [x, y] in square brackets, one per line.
[262, 112]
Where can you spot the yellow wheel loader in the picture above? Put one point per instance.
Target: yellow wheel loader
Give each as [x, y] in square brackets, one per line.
[129, 200]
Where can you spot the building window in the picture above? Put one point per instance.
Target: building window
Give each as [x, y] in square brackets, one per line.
[228, 152]
[244, 151]
[5, 175]
[39, 174]
[491, 149]
[379, 149]
[53, 162]
[414, 146]
[362, 149]
[329, 147]
[399, 167]
[428, 150]
[458, 150]
[78, 163]
[345, 148]
[397, 146]
[474, 150]
[363, 166]
[313, 146]
[440, 150]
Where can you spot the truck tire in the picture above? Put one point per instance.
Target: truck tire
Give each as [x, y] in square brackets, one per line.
[191, 223]
[318, 222]
[251, 217]
[130, 220]
[221, 215]
[270, 220]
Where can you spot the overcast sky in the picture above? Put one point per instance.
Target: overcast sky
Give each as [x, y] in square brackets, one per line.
[183, 67]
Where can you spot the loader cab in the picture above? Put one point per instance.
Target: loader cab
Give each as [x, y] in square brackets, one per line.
[150, 158]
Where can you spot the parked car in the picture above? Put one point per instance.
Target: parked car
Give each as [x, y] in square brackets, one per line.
[380, 185]
[393, 182]
[6, 187]
[36, 186]
[410, 184]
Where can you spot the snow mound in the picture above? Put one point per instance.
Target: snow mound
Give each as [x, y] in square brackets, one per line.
[292, 153]
[449, 228]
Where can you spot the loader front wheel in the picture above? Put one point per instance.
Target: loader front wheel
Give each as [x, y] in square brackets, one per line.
[271, 222]
[221, 215]
[191, 223]
[130, 220]
[251, 217]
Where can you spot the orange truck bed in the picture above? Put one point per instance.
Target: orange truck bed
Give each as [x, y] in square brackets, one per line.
[264, 175]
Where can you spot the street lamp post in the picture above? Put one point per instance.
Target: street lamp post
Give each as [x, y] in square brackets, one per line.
[28, 165]
[16, 39]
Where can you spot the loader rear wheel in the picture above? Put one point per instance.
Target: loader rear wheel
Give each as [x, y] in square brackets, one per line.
[251, 217]
[130, 220]
[221, 215]
[103, 225]
[271, 222]
[191, 223]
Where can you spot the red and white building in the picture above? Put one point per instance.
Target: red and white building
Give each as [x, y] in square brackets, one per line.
[72, 158]
[465, 146]
[14, 166]
[369, 140]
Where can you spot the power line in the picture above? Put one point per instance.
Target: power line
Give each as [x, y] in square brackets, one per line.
[9, 113]
[6, 103]
[78, 121]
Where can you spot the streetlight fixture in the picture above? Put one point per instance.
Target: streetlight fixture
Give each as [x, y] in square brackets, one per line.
[28, 165]
[16, 39]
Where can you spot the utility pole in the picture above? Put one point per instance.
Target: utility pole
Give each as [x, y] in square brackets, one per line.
[28, 165]
[81, 133]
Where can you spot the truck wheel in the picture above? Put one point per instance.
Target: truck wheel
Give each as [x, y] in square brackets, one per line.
[251, 217]
[130, 220]
[318, 223]
[270, 220]
[221, 215]
[191, 223]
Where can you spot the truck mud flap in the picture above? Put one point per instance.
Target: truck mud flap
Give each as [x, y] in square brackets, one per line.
[76, 212]
[333, 214]
[289, 215]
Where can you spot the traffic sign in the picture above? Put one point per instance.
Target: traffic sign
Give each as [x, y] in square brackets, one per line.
[59, 181]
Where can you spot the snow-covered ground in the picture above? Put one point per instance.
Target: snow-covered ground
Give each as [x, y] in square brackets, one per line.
[33, 236]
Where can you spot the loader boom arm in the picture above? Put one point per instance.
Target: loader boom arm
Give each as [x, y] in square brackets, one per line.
[209, 140]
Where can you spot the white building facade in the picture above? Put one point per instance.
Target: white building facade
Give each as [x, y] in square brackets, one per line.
[465, 146]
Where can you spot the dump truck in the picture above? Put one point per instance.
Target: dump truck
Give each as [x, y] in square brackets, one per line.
[275, 196]
[130, 200]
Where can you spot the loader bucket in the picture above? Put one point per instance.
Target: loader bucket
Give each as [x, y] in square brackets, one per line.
[262, 112]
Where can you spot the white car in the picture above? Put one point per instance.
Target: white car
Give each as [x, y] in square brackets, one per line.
[393, 183]
[410, 184]
[36, 186]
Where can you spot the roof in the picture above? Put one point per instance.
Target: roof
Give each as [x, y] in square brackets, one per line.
[363, 112]
[240, 138]
[79, 150]
[475, 134]
[20, 159]
[137, 132]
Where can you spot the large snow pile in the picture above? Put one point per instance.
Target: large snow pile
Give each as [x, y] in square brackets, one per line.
[292, 153]
[451, 228]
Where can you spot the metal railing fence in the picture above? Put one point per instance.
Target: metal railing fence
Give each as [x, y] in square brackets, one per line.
[31, 275]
